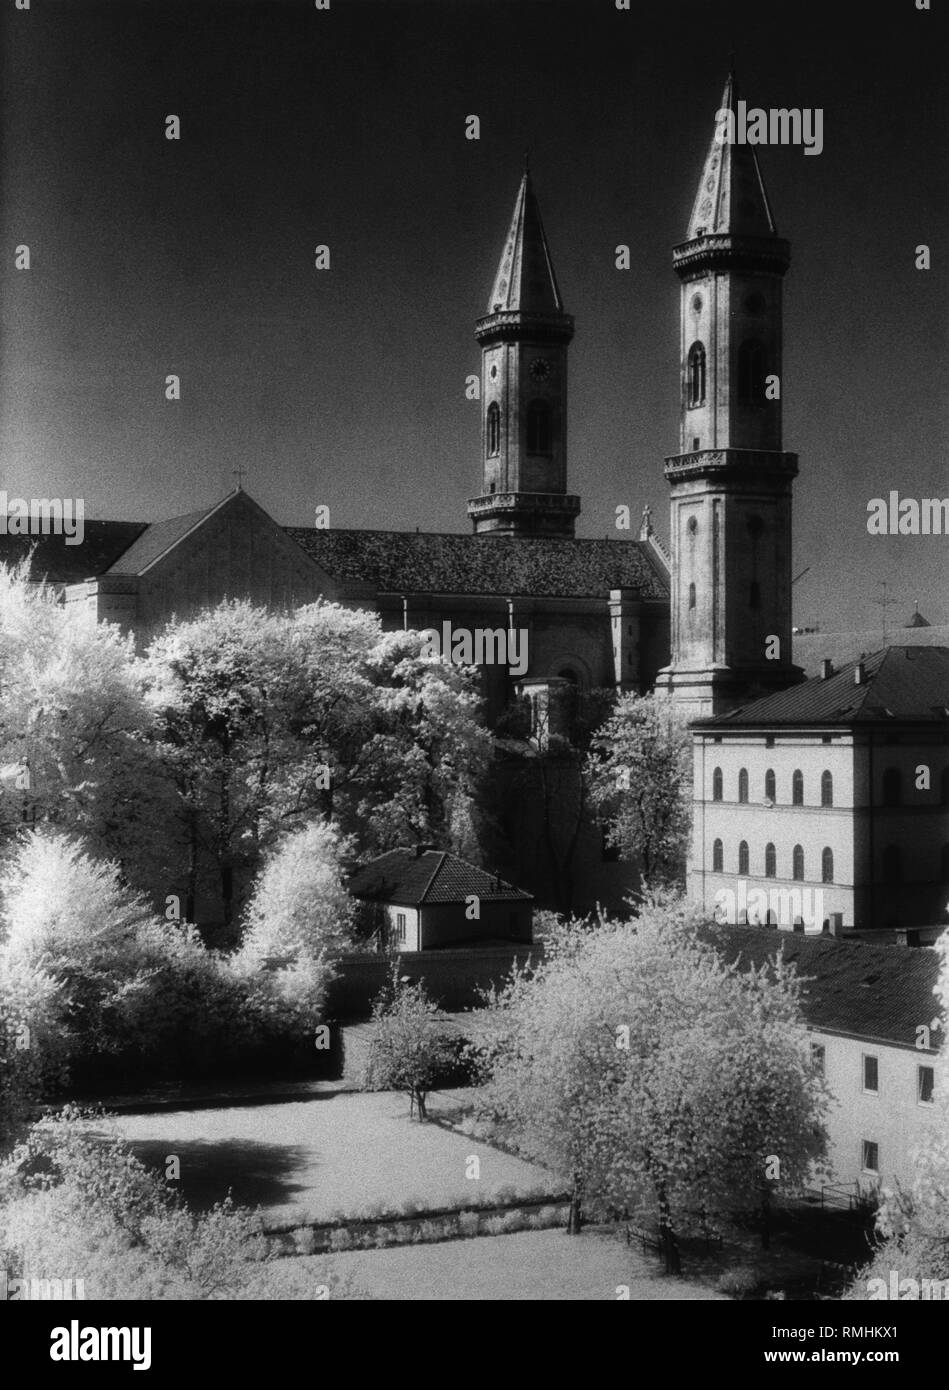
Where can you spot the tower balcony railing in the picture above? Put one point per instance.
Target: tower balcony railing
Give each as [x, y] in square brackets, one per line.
[564, 502]
[696, 462]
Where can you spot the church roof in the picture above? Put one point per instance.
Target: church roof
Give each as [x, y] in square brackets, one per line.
[910, 684]
[861, 989]
[917, 620]
[398, 562]
[417, 878]
[102, 544]
[156, 539]
[731, 197]
[525, 280]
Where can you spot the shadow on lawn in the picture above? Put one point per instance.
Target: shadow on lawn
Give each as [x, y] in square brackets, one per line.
[257, 1174]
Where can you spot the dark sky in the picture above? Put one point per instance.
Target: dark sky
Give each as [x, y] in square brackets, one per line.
[346, 127]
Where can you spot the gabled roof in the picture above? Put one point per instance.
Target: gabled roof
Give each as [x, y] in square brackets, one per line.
[810, 648]
[157, 539]
[405, 562]
[908, 684]
[525, 281]
[429, 876]
[731, 197]
[102, 544]
[882, 993]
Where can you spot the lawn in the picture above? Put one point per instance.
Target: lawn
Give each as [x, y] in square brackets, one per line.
[304, 1160]
[531, 1266]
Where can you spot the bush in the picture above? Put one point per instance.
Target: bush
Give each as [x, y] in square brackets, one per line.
[738, 1283]
[469, 1223]
[410, 1050]
[341, 1240]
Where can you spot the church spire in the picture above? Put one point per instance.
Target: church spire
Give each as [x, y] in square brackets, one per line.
[525, 280]
[524, 338]
[731, 198]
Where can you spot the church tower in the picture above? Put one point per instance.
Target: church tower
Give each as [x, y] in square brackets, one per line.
[730, 483]
[524, 338]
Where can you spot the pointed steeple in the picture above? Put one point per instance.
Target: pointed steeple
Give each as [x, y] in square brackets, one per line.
[731, 198]
[525, 281]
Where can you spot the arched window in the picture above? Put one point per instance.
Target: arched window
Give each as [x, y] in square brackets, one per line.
[691, 595]
[696, 374]
[717, 784]
[797, 863]
[743, 785]
[892, 864]
[493, 430]
[770, 793]
[892, 787]
[827, 866]
[743, 857]
[752, 372]
[770, 861]
[826, 789]
[538, 428]
[718, 856]
[797, 787]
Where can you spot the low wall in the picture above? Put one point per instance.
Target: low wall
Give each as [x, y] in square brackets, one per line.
[452, 978]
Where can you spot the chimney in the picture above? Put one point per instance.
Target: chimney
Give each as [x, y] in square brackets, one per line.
[859, 674]
[826, 669]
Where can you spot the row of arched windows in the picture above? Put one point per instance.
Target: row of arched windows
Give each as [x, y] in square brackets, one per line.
[771, 861]
[770, 786]
[891, 862]
[752, 374]
[539, 431]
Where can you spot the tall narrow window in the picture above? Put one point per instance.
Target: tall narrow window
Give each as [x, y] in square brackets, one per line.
[925, 1084]
[494, 430]
[691, 595]
[717, 784]
[538, 428]
[769, 785]
[752, 372]
[827, 789]
[718, 857]
[743, 857]
[770, 861]
[797, 788]
[743, 785]
[827, 865]
[696, 374]
[871, 1156]
[892, 787]
[797, 862]
[871, 1072]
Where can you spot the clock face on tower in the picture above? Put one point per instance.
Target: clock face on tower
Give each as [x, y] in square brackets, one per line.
[540, 369]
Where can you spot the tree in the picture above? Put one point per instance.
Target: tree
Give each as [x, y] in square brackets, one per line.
[410, 1049]
[75, 728]
[656, 1078]
[640, 771]
[541, 781]
[268, 721]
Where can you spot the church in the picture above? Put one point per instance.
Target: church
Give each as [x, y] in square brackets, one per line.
[707, 622]
[618, 614]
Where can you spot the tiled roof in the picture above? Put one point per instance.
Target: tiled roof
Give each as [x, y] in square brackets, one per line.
[433, 876]
[411, 562]
[868, 991]
[102, 544]
[902, 683]
[808, 649]
[155, 540]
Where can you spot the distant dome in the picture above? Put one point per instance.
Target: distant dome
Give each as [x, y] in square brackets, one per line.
[917, 620]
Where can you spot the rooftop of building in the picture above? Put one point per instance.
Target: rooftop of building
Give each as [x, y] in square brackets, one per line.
[883, 993]
[418, 876]
[908, 684]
